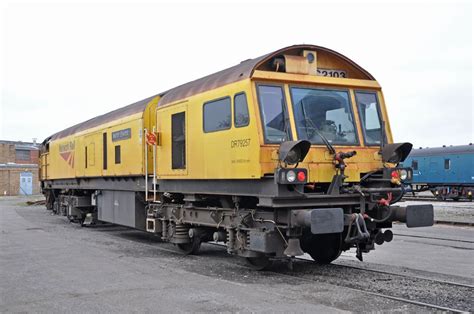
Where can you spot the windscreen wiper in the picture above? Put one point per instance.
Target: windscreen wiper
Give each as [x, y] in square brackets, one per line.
[286, 121]
[325, 140]
[382, 136]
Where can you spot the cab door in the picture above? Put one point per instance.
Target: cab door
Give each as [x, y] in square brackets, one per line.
[172, 152]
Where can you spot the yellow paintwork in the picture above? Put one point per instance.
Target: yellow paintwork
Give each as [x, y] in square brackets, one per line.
[131, 152]
[212, 155]
[313, 79]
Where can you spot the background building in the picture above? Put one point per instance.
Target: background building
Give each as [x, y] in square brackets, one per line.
[19, 168]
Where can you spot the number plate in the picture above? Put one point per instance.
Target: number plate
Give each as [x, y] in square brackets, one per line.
[332, 73]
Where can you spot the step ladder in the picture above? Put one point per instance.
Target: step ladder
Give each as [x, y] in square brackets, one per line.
[150, 176]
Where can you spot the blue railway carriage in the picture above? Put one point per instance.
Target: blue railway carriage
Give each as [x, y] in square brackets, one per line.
[448, 172]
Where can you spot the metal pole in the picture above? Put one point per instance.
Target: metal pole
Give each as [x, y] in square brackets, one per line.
[154, 168]
[146, 166]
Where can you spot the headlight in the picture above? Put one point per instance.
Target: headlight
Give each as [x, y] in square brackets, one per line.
[403, 174]
[291, 176]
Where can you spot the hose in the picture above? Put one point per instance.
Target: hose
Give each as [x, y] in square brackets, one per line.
[270, 221]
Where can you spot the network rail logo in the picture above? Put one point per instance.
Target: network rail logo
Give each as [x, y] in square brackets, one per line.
[67, 152]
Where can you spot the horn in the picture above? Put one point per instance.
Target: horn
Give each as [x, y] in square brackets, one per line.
[294, 248]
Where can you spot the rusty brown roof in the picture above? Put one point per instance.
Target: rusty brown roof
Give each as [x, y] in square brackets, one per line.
[233, 74]
[239, 72]
[137, 107]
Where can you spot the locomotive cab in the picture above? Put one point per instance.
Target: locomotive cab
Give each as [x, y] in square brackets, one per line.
[333, 115]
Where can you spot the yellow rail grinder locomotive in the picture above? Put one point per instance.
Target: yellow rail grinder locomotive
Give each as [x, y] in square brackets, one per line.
[280, 155]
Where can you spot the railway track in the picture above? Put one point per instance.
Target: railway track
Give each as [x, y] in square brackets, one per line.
[411, 276]
[432, 238]
[454, 223]
[395, 298]
[432, 199]
[295, 274]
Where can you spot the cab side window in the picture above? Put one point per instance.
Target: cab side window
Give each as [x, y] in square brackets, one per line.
[241, 111]
[217, 115]
[370, 116]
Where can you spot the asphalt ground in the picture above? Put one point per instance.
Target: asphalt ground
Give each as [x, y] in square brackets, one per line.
[49, 265]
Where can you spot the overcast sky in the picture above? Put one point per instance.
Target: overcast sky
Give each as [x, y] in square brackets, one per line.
[63, 63]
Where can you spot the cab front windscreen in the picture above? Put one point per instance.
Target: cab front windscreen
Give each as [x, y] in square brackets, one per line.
[324, 113]
[320, 113]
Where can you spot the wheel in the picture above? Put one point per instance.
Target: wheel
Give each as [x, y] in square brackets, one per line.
[258, 263]
[192, 247]
[323, 248]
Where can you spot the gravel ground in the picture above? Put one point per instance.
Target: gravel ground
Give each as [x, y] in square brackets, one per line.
[455, 211]
[449, 211]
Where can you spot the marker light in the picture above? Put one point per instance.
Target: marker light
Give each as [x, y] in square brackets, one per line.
[291, 176]
[395, 174]
[301, 176]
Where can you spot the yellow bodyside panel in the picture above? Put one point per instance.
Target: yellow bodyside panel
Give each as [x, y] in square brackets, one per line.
[93, 142]
[224, 154]
[131, 150]
[67, 157]
[62, 153]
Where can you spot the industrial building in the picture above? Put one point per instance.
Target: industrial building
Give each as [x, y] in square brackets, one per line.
[19, 168]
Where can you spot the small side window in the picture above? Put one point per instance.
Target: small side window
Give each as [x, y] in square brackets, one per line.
[85, 159]
[370, 116]
[414, 164]
[104, 151]
[178, 139]
[217, 115]
[273, 113]
[117, 154]
[447, 164]
[241, 111]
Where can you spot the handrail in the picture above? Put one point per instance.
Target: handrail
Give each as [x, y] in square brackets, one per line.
[154, 167]
[146, 164]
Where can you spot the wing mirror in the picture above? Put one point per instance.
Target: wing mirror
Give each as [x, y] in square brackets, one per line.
[293, 152]
[396, 152]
